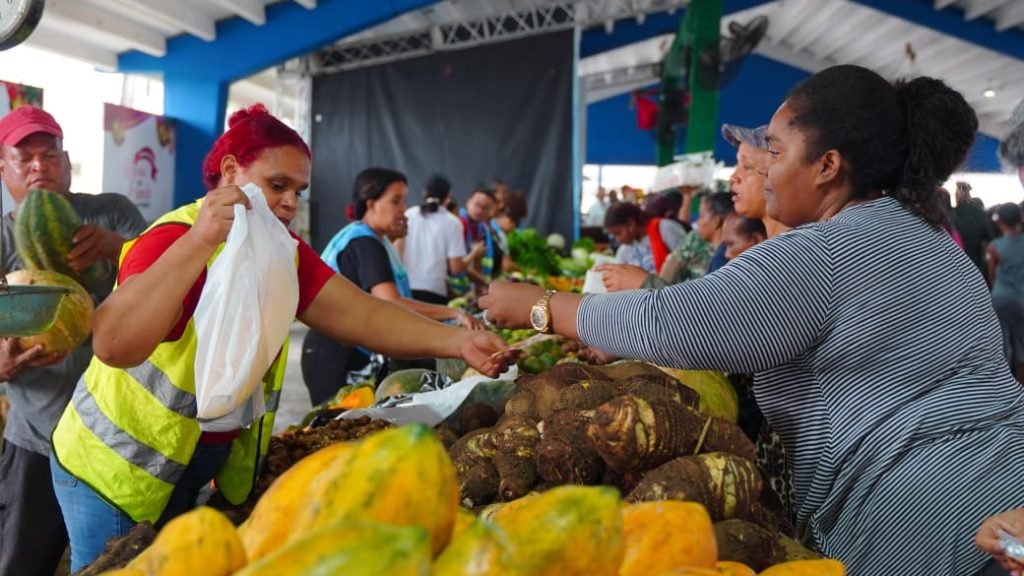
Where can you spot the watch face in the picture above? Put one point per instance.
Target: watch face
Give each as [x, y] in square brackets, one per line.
[538, 318]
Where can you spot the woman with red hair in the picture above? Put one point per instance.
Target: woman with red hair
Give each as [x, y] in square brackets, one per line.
[130, 447]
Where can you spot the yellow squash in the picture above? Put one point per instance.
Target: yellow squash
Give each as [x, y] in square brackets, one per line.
[352, 549]
[202, 542]
[269, 525]
[667, 535]
[567, 531]
[401, 476]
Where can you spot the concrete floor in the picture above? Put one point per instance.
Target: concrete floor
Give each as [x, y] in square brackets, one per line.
[295, 402]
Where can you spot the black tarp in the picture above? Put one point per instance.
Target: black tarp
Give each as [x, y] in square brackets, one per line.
[498, 111]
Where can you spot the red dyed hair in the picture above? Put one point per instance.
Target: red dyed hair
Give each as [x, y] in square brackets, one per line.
[250, 132]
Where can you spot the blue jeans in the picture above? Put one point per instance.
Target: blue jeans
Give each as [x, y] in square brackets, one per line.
[91, 520]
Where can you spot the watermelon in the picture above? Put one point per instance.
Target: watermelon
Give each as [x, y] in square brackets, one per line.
[43, 230]
[717, 395]
[74, 315]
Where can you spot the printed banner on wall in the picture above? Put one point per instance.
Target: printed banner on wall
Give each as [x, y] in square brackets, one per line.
[138, 158]
[11, 96]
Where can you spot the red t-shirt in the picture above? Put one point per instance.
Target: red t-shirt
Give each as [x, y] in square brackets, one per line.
[313, 272]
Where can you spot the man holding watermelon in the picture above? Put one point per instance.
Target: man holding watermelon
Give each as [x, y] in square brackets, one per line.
[40, 382]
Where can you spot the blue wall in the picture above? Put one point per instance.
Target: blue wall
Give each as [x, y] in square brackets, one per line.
[984, 156]
[750, 100]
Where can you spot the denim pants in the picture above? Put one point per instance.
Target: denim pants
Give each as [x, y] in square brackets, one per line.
[91, 520]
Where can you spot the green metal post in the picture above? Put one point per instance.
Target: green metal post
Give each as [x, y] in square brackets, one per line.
[703, 24]
[698, 30]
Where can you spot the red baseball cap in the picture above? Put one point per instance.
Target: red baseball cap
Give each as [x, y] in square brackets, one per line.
[24, 121]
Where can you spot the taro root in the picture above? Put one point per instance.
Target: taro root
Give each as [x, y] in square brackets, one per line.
[724, 436]
[586, 395]
[727, 485]
[563, 454]
[473, 457]
[658, 388]
[746, 542]
[632, 434]
[515, 440]
[540, 395]
[446, 435]
[476, 416]
[624, 370]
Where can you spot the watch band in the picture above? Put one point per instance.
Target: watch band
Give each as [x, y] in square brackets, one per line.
[545, 303]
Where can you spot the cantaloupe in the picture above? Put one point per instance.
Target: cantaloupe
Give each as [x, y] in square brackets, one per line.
[74, 314]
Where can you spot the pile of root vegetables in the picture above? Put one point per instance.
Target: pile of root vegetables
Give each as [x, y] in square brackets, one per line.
[628, 425]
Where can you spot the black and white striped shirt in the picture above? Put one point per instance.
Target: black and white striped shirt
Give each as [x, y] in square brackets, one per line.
[878, 360]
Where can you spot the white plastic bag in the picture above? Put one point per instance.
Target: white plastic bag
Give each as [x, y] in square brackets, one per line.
[244, 315]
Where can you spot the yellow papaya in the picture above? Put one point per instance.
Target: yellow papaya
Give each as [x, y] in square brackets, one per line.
[729, 568]
[567, 531]
[400, 476]
[361, 397]
[503, 508]
[481, 549]
[124, 572]
[463, 519]
[352, 549]
[806, 568]
[201, 542]
[667, 535]
[268, 527]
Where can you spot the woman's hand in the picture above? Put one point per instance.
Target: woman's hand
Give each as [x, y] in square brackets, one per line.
[486, 352]
[595, 356]
[469, 321]
[987, 538]
[217, 214]
[618, 277]
[507, 304]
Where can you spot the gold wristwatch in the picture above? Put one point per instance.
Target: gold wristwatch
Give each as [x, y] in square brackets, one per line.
[540, 314]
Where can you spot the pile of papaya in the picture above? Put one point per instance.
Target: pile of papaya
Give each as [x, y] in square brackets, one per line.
[388, 504]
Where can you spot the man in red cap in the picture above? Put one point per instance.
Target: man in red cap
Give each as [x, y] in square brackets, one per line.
[39, 386]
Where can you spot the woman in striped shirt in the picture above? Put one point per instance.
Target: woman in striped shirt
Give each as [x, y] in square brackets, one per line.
[884, 374]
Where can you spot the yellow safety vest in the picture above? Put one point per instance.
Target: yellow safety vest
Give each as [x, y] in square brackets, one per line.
[130, 433]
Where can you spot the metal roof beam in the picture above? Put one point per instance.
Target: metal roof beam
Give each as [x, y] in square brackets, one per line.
[87, 20]
[54, 40]
[981, 31]
[1010, 16]
[977, 8]
[940, 4]
[176, 14]
[307, 4]
[252, 10]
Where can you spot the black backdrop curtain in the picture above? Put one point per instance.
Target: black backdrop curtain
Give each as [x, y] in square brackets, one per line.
[498, 111]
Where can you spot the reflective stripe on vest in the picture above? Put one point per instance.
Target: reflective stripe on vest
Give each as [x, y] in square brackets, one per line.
[130, 433]
[124, 445]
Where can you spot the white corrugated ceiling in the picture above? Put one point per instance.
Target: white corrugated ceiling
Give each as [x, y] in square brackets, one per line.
[809, 34]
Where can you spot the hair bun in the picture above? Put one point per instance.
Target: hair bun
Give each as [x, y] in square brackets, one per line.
[257, 109]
